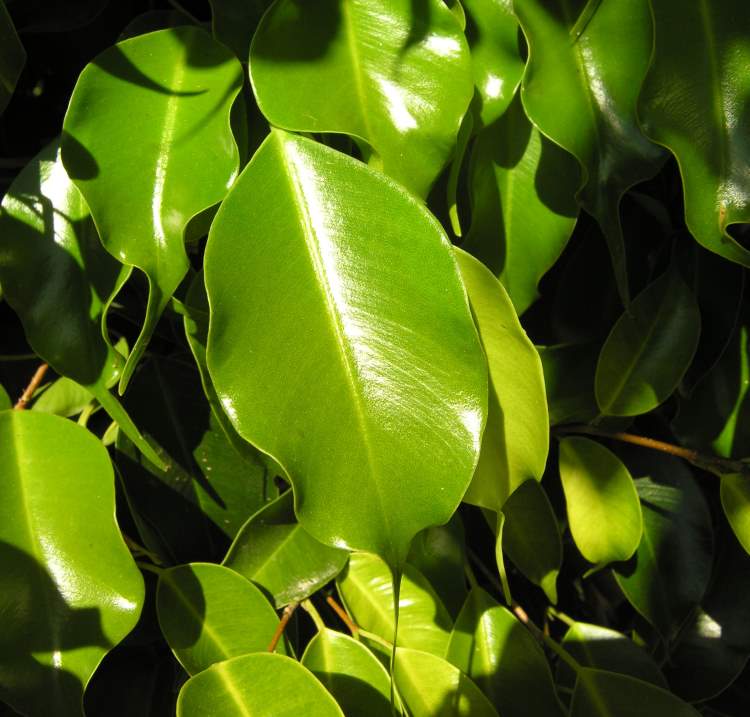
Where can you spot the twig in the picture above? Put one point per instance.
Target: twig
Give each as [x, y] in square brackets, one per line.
[342, 614]
[28, 392]
[285, 617]
[559, 650]
[701, 460]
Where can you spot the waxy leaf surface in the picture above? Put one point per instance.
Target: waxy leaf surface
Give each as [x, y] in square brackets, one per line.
[393, 73]
[12, 57]
[278, 554]
[367, 381]
[258, 685]
[176, 88]
[516, 438]
[70, 590]
[587, 61]
[603, 508]
[694, 101]
[209, 614]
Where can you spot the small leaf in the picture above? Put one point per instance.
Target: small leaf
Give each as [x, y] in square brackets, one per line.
[502, 658]
[258, 684]
[351, 673]
[602, 504]
[12, 57]
[366, 587]
[64, 397]
[516, 438]
[209, 614]
[276, 552]
[5, 401]
[649, 349]
[364, 74]
[432, 687]
[735, 499]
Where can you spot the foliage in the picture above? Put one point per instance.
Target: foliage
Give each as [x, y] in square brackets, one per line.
[374, 357]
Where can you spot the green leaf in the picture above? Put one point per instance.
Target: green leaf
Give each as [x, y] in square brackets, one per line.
[516, 438]
[367, 382]
[580, 89]
[259, 684]
[70, 590]
[606, 694]
[278, 554]
[5, 401]
[499, 654]
[602, 504]
[209, 614]
[735, 499]
[234, 22]
[12, 57]
[351, 673]
[569, 382]
[64, 397]
[672, 567]
[531, 537]
[60, 281]
[694, 102]
[492, 32]
[523, 208]
[394, 74]
[649, 348]
[366, 588]
[138, 176]
[432, 687]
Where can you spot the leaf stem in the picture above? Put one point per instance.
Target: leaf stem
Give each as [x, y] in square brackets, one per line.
[561, 616]
[28, 392]
[285, 617]
[311, 610]
[545, 639]
[354, 629]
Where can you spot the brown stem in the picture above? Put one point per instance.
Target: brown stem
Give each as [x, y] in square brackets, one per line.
[342, 614]
[701, 460]
[28, 392]
[285, 617]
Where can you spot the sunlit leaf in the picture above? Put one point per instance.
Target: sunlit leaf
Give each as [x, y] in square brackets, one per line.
[64, 397]
[735, 499]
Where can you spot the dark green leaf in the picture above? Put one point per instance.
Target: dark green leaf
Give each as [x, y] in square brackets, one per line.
[569, 382]
[234, 22]
[12, 57]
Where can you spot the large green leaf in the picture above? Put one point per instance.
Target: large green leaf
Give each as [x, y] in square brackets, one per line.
[602, 503]
[12, 57]
[351, 673]
[259, 685]
[649, 348]
[694, 102]
[523, 208]
[393, 73]
[516, 438]
[175, 87]
[587, 60]
[60, 281]
[367, 382]
[69, 589]
[209, 614]
[735, 499]
[671, 569]
[366, 587]
[278, 554]
[432, 687]
[500, 655]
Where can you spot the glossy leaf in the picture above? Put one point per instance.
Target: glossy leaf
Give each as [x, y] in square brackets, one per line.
[606, 694]
[392, 73]
[262, 685]
[432, 687]
[48, 240]
[367, 376]
[366, 588]
[672, 566]
[587, 61]
[735, 499]
[12, 57]
[276, 552]
[522, 189]
[351, 673]
[209, 614]
[502, 658]
[143, 193]
[569, 382]
[70, 589]
[602, 504]
[694, 102]
[531, 537]
[516, 438]
[649, 349]
[64, 397]
[234, 22]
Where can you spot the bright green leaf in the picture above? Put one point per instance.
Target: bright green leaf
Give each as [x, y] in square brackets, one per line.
[393, 73]
[602, 504]
[278, 554]
[63, 397]
[138, 176]
[735, 499]
[12, 57]
[70, 589]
